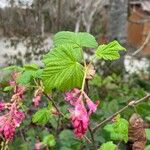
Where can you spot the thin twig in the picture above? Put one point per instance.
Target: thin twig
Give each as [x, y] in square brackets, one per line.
[92, 137]
[132, 103]
[53, 103]
[143, 45]
[88, 140]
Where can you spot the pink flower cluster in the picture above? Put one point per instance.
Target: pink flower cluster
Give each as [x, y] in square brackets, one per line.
[37, 97]
[13, 116]
[9, 122]
[79, 113]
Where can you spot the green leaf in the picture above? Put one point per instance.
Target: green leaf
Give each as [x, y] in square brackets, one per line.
[67, 135]
[147, 118]
[42, 116]
[147, 147]
[81, 39]
[13, 68]
[30, 71]
[143, 108]
[49, 140]
[118, 130]
[108, 146]
[37, 73]
[8, 88]
[31, 67]
[147, 134]
[62, 69]
[25, 77]
[109, 51]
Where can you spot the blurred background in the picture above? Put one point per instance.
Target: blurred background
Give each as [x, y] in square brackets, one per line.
[26, 33]
[27, 27]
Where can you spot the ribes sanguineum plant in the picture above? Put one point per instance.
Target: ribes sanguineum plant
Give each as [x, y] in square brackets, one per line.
[66, 70]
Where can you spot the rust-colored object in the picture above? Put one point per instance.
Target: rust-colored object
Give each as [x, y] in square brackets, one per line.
[139, 25]
[135, 29]
[137, 135]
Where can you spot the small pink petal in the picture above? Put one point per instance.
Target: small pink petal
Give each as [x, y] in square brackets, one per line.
[18, 117]
[9, 131]
[38, 146]
[92, 107]
[12, 83]
[36, 100]
[2, 105]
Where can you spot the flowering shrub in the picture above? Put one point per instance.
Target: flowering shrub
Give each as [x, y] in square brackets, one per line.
[13, 117]
[80, 114]
[65, 71]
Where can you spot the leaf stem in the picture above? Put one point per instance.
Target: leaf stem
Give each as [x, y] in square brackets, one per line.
[85, 72]
[84, 78]
[132, 103]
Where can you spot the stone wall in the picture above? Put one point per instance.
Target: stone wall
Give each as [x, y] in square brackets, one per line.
[16, 21]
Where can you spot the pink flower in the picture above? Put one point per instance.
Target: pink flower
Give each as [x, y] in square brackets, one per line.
[37, 97]
[2, 105]
[69, 96]
[36, 100]
[72, 96]
[12, 83]
[92, 107]
[79, 114]
[3, 120]
[79, 119]
[8, 131]
[20, 90]
[18, 117]
[10, 121]
[38, 146]
[7, 128]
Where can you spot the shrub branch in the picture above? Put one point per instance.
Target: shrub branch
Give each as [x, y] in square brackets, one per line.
[53, 103]
[132, 103]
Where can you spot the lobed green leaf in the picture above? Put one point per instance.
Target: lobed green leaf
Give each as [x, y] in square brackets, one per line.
[109, 51]
[81, 39]
[8, 88]
[118, 130]
[62, 69]
[42, 116]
